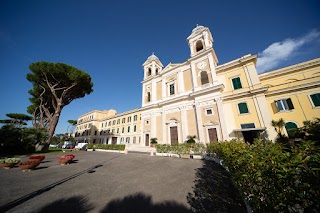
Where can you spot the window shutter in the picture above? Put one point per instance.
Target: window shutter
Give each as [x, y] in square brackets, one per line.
[290, 104]
[274, 107]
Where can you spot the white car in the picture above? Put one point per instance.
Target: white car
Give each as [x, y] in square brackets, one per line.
[53, 145]
[81, 146]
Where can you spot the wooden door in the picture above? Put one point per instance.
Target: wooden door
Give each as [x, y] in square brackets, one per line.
[114, 140]
[213, 135]
[147, 139]
[174, 135]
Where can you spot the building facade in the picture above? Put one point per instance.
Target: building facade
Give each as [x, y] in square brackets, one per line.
[213, 102]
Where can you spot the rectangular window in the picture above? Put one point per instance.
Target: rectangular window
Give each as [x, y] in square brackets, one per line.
[171, 88]
[114, 122]
[122, 129]
[129, 119]
[117, 130]
[102, 125]
[123, 120]
[118, 121]
[135, 118]
[284, 104]
[236, 83]
[134, 128]
[315, 99]
[109, 123]
[209, 112]
[128, 129]
[248, 126]
[243, 108]
[112, 130]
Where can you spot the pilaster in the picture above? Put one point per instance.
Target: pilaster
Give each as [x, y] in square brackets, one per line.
[222, 119]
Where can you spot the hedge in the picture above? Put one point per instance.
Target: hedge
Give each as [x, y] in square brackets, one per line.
[107, 146]
[272, 178]
[181, 148]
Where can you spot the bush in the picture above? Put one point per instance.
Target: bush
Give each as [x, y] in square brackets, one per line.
[107, 146]
[181, 148]
[271, 177]
[10, 160]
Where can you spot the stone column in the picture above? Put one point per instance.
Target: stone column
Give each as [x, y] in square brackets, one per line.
[222, 119]
[164, 129]
[199, 123]
[180, 82]
[194, 77]
[184, 123]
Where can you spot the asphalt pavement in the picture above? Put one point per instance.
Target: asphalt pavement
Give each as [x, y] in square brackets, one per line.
[103, 182]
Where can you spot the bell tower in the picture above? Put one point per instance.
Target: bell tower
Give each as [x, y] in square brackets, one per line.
[200, 40]
[152, 68]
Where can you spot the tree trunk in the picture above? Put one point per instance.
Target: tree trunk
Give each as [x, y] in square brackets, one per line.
[53, 124]
[42, 147]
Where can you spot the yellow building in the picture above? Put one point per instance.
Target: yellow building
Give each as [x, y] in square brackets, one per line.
[213, 102]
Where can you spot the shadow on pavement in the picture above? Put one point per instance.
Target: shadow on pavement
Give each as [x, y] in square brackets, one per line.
[77, 204]
[36, 193]
[140, 202]
[214, 191]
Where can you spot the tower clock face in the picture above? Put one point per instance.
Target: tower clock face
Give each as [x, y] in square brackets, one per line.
[201, 65]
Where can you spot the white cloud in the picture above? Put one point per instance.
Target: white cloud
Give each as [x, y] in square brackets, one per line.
[279, 52]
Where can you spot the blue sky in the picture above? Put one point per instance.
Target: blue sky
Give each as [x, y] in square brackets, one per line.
[110, 40]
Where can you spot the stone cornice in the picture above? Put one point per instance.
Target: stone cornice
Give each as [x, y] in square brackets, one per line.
[237, 62]
[290, 69]
[294, 88]
[219, 87]
[246, 93]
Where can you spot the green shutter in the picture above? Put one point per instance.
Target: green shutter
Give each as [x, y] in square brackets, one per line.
[290, 104]
[236, 83]
[315, 99]
[243, 108]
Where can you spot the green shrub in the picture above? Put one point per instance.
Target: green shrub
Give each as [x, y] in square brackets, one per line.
[107, 146]
[271, 177]
[184, 148]
[10, 160]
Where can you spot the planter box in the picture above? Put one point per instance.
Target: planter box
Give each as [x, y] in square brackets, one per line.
[7, 165]
[107, 150]
[186, 156]
[162, 154]
[197, 157]
[174, 155]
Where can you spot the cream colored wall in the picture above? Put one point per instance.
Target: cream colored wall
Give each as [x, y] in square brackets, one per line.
[251, 117]
[233, 73]
[159, 90]
[187, 80]
[192, 124]
[207, 69]
[159, 128]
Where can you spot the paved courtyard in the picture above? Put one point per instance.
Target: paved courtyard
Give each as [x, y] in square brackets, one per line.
[112, 182]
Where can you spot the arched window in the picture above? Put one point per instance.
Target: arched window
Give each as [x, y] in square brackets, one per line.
[149, 71]
[199, 46]
[291, 127]
[204, 77]
[149, 96]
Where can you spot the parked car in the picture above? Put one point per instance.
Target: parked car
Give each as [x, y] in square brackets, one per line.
[81, 146]
[53, 145]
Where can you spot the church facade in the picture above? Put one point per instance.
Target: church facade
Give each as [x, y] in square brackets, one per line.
[211, 101]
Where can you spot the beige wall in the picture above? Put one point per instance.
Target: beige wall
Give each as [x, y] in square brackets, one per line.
[187, 80]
